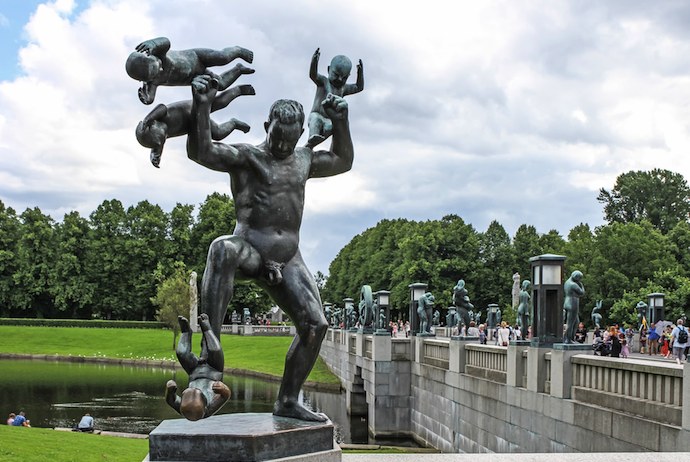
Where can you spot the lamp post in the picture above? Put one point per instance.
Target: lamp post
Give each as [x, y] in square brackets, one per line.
[417, 289]
[349, 306]
[383, 301]
[655, 307]
[492, 311]
[547, 296]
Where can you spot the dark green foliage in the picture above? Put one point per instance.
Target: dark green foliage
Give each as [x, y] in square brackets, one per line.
[107, 266]
[9, 241]
[660, 197]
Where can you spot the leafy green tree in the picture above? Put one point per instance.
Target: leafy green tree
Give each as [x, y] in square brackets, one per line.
[107, 261]
[525, 245]
[181, 223]
[9, 239]
[216, 218]
[552, 242]
[173, 299]
[679, 238]
[71, 289]
[494, 275]
[146, 246]
[625, 257]
[660, 197]
[35, 257]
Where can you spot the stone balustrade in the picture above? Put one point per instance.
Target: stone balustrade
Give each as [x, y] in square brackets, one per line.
[457, 395]
[486, 361]
[652, 390]
[436, 353]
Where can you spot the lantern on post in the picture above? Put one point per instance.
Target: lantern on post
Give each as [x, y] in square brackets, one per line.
[547, 297]
[655, 307]
[348, 308]
[417, 289]
[383, 301]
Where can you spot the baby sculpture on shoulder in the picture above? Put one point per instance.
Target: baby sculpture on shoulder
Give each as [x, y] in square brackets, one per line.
[320, 125]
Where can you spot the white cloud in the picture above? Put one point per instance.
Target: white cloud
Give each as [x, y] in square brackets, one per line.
[480, 109]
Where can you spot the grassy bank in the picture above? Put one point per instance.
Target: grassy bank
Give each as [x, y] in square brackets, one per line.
[42, 444]
[265, 355]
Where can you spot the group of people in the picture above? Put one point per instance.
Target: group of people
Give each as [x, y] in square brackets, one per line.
[18, 420]
[399, 327]
[663, 338]
[667, 340]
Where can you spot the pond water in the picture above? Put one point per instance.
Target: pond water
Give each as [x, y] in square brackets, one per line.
[130, 398]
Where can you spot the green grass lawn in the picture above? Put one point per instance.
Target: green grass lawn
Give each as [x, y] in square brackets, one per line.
[43, 444]
[253, 353]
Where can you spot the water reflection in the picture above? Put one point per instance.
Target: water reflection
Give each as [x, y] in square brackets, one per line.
[130, 399]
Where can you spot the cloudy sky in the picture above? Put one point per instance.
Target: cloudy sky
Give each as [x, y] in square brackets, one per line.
[513, 111]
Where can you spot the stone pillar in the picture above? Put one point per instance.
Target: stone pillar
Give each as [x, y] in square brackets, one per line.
[516, 363]
[418, 353]
[381, 346]
[234, 328]
[686, 397]
[359, 347]
[536, 367]
[457, 354]
[561, 368]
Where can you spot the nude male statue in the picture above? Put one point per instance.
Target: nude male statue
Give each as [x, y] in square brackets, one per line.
[268, 183]
[573, 290]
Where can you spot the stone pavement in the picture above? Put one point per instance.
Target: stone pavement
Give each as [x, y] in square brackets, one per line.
[561, 457]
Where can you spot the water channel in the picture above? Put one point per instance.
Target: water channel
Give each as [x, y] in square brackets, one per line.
[130, 398]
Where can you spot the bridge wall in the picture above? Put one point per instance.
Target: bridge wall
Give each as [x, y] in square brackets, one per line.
[459, 396]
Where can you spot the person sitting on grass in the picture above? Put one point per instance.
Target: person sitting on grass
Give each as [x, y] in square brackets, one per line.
[20, 420]
[85, 424]
[206, 393]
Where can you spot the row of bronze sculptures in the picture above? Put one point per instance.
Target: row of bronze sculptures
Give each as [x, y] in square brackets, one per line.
[461, 312]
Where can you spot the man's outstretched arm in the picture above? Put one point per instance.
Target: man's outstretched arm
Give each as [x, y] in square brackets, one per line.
[339, 158]
[200, 145]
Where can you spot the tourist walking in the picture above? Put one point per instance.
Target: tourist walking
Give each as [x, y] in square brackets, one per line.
[503, 334]
[679, 337]
[653, 340]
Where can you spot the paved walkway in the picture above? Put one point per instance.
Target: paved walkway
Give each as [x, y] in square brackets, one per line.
[561, 457]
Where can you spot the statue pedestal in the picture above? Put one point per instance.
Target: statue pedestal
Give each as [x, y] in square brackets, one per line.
[243, 437]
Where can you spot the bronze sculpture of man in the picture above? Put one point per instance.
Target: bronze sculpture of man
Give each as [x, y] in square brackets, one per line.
[268, 183]
[573, 290]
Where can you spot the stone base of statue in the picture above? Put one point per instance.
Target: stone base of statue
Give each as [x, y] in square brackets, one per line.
[243, 437]
[353, 329]
[382, 332]
[366, 330]
[425, 334]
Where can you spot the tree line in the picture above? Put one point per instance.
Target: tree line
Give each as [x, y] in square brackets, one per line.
[107, 265]
[644, 248]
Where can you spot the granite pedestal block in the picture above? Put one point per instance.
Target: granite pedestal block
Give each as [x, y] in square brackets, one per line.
[242, 437]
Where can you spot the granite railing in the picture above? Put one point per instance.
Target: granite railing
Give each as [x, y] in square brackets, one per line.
[352, 347]
[654, 391]
[337, 336]
[368, 346]
[436, 353]
[486, 361]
